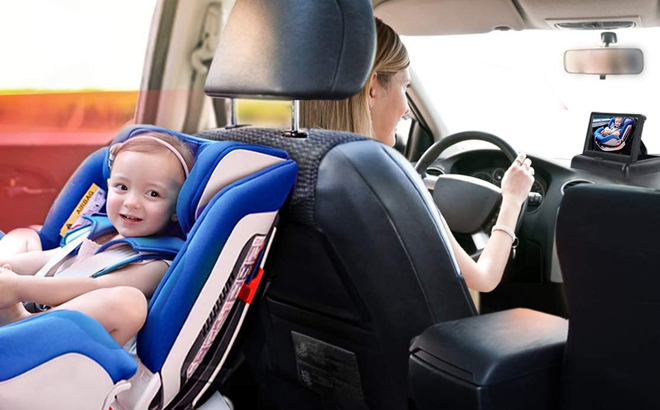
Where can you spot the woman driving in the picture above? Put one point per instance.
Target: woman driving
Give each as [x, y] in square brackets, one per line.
[375, 112]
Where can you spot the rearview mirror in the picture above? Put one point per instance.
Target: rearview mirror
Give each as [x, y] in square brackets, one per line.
[604, 61]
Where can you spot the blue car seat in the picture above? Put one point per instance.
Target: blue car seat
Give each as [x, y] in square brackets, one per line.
[611, 142]
[227, 209]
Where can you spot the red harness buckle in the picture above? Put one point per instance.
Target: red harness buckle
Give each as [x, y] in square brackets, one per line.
[248, 291]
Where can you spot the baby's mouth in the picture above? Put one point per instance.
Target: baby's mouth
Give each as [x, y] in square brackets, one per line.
[130, 218]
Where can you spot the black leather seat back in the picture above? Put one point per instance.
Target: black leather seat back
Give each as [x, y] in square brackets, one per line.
[360, 266]
[609, 251]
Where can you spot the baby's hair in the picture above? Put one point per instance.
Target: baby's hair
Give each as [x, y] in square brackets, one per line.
[148, 145]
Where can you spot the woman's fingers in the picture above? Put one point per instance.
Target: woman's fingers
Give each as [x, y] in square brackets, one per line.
[527, 165]
[518, 179]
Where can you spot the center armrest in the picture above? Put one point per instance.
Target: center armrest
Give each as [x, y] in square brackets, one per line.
[498, 360]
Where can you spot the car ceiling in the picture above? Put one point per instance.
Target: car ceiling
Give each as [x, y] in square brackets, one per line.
[438, 17]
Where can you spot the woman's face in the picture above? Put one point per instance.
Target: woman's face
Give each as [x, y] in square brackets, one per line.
[388, 104]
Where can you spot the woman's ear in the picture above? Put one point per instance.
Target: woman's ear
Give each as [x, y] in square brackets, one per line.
[374, 86]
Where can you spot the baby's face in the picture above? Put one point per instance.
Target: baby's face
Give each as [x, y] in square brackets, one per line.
[617, 122]
[142, 192]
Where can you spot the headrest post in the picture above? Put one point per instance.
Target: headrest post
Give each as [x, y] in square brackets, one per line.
[295, 116]
[232, 112]
[295, 132]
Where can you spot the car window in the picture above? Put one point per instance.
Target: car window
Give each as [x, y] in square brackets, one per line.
[76, 67]
[513, 84]
[260, 113]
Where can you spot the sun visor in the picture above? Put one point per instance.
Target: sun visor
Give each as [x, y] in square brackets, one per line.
[294, 49]
[449, 16]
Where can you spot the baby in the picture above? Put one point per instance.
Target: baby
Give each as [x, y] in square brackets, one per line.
[608, 138]
[615, 129]
[147, 172]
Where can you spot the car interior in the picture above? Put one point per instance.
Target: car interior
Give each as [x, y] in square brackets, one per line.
[363, 305]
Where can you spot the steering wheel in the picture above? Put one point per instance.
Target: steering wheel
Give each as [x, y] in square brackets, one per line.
[467, 203]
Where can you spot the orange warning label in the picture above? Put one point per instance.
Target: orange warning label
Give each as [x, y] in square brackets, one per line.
[90, 203]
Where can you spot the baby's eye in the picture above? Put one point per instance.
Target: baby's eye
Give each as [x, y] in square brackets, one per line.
[153, 194]
[121, 187]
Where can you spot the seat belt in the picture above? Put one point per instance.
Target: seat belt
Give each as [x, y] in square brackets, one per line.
[200, 59]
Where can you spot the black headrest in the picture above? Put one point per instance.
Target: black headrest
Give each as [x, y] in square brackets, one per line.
[294, 49]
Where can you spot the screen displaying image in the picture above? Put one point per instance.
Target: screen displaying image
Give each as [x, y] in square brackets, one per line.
[612, 134]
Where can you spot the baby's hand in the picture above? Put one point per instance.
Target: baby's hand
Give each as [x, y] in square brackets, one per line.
[8, 283]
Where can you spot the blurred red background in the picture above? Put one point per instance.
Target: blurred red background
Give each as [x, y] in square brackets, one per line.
[43, 138]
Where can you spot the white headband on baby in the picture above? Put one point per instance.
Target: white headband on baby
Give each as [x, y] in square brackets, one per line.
[165, 144]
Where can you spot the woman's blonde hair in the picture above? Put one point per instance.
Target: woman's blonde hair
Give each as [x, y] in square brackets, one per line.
[352, 114]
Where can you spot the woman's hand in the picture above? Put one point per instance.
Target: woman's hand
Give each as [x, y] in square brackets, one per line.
[8, 286]
[518, 180]
[485, 275]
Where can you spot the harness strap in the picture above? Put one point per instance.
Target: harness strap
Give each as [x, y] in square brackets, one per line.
[56, 260]
[96, 263]
[123, 252]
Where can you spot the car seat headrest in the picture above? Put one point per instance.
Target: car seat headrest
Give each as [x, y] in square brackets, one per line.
[294, 49]
[217, 167]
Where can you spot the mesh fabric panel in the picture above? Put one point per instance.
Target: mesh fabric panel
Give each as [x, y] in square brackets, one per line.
[307, 152]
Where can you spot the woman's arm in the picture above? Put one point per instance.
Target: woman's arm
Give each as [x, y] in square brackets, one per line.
[54, 291]
[485, 275]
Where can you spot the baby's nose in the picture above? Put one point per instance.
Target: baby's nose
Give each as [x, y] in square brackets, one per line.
[132, 201]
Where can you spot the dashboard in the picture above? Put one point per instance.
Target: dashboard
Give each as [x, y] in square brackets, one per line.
[533, 274]
[551, 179]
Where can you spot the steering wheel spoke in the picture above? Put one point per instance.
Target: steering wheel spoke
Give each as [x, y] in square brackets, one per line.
[480, 239]
[430, 181]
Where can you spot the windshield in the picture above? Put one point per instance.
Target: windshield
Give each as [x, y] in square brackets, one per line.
[513, 84]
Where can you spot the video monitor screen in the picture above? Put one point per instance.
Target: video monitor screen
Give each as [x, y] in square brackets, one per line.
[613, 134]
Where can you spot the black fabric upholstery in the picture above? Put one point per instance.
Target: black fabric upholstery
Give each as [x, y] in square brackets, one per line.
[360, 262]
[294, 49]
[608, 247]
